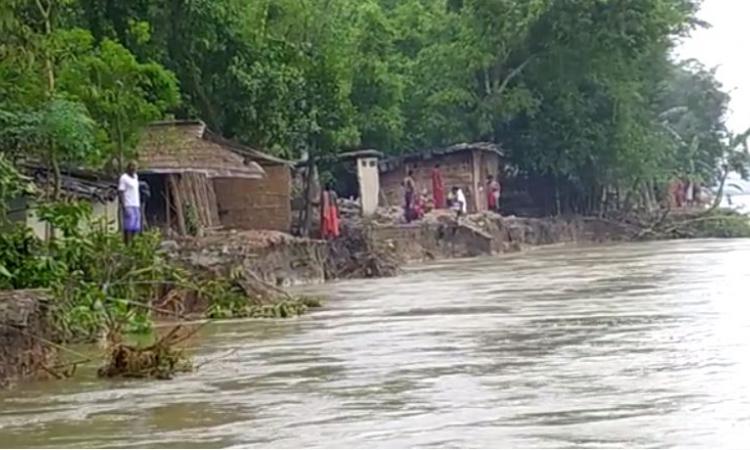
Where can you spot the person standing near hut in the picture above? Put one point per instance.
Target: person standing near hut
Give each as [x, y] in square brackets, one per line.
[438, 190]
[493, 194]
[459, 202]
[329, 210]
[409, 190]
[130, 202]
[677, 193]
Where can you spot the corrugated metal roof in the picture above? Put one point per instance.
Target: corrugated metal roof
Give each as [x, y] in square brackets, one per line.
[365, 153]
[397, 161]
[74, 182]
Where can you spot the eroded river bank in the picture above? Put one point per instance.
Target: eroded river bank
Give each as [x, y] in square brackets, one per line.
[616, 345]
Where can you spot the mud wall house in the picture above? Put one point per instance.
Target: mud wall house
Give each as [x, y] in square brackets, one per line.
[181, 164]
[462, 165]
[96, 189]
[258, 204]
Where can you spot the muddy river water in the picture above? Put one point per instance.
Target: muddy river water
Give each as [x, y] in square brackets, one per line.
[620, 345]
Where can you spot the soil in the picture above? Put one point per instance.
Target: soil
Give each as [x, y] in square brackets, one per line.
[23, 319]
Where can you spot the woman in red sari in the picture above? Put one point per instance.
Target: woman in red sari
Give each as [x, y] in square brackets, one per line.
[329, 213]
[438, 190]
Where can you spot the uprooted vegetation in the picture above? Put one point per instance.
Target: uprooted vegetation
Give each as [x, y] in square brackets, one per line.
[244, 295]
[161, 359]
[688, 224]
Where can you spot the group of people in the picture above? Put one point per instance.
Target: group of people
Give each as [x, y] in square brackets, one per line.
[686, 194]
[417, 204]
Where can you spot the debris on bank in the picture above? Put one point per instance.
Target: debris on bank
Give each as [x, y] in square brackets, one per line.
[692, 224]
[161, 360]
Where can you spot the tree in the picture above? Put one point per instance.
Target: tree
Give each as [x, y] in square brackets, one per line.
[122, 93]
[583, 95]
[58, 78]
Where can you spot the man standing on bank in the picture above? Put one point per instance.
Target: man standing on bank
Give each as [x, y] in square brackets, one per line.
[130, 203]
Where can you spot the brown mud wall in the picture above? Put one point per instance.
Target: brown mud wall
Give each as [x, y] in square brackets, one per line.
[276, 258]
[256, 204]
[488, 234]
[23, 321]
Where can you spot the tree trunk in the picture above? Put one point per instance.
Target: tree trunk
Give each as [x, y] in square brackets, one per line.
[720, 191]
[56, 176]
[49, 67]
[647, 196]
[46, 13]
[306, 219]
[120, 146]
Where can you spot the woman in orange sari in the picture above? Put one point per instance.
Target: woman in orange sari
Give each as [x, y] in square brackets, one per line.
[329, 212]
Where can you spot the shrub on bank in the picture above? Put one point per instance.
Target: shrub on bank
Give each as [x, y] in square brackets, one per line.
[97, 281]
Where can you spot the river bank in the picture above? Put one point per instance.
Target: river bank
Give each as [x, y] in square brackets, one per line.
[559, 347]
[367, 249]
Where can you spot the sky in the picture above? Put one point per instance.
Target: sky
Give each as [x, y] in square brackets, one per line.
[723, 46]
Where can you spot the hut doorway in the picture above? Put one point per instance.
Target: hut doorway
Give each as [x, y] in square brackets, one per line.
[155, 211]
[184, 203]
[344, 177]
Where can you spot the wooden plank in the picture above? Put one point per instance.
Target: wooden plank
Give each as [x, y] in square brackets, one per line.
[179, 211]
[203, 195]
[199, 182]
[213, 203]
[477, 183]
[168, 199]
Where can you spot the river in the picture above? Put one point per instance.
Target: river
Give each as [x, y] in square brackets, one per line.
[638, 345]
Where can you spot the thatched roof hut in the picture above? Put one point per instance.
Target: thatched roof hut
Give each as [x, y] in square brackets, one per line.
[181, 161]
[176, 147]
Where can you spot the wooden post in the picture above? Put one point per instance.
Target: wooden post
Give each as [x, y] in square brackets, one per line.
[179, 212]
[478, 184]
[168, 199]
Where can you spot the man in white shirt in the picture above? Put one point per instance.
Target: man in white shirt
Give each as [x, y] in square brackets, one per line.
[130, 202]
[459, 202]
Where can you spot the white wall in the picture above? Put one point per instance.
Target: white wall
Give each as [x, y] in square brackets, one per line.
[369, 185]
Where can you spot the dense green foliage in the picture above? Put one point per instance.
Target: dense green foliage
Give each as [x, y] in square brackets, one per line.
[98, 282]
[582, 94]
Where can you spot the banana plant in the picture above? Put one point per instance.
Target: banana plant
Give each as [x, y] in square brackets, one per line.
[736, 159]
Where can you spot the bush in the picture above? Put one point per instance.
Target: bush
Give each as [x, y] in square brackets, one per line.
[98, 281]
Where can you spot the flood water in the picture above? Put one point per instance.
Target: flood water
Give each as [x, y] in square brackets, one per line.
[644, 345]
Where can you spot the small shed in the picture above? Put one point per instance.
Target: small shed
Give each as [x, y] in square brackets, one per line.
[180, 163]
[365, 164]
[464, 165]
[254, 204]
[95, 188]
